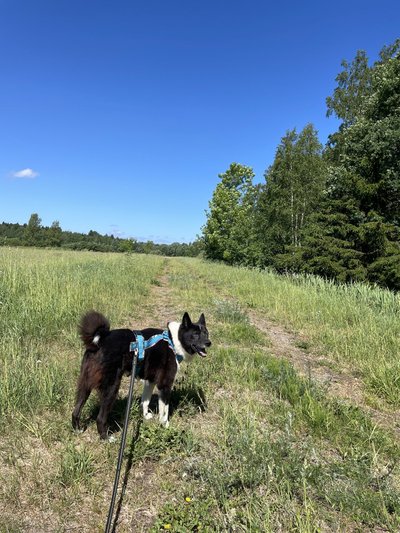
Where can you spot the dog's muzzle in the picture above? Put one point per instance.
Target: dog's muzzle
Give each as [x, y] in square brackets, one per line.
[201, 351]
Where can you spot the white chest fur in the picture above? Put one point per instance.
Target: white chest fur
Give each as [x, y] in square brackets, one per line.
[180, 350]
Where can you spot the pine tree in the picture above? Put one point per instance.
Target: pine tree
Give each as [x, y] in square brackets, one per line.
[363, 186]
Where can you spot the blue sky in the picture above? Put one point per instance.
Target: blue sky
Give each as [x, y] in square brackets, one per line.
[119, 116]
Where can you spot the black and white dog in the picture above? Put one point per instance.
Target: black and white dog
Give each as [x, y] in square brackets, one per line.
[107, 358]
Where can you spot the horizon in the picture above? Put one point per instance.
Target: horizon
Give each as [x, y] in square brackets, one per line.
[119, 119]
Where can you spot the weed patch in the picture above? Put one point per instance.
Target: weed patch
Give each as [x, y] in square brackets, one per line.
[229, 311]
[156, 442]
[76, 466]
[187, 514]
[384, 381]
[332, 419]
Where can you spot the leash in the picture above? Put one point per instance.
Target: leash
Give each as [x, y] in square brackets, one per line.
[138, 348]
[122, 445]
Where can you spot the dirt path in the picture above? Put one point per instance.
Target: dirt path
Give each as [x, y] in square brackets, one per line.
[343, 385]
[159, 308]
[146, 478]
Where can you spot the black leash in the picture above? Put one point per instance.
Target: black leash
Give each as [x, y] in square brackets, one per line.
[122, 445]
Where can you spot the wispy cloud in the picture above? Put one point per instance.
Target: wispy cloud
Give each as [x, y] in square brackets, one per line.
[116, 231]
[25, 173]
[158, 239]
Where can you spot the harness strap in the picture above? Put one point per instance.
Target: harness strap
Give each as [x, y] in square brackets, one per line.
[141, 345]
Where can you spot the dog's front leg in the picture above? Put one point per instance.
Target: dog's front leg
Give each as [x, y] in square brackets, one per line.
[146, 397]
[163, 406]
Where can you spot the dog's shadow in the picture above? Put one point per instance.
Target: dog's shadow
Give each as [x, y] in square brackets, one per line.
[116, 417]
[184, 401]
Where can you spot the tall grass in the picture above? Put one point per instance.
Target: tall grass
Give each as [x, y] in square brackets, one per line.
[356, 325]
[42, 296]
[275, 453]
[252, 445]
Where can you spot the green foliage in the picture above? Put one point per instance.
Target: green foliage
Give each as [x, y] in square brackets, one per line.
[335, 213]
[331, 246]
[229, 231]
[363, 187]
[54, 234]
[76, 465]
[32, 230]
[34, 234]
[385, 271]
[294, 185]
[187, 515]
[156, 441]
[354, 84]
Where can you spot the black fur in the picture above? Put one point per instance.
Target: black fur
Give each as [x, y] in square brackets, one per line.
[107, 359]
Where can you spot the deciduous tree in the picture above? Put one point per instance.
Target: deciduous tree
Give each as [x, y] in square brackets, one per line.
[228, 232]
[294, 185]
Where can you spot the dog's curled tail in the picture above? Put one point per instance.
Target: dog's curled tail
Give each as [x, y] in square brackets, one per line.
[92, 327]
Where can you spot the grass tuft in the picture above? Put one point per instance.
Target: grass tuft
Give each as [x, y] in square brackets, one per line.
[230, 311]
[77, 465]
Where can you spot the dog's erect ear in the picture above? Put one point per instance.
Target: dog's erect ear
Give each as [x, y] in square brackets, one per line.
[186, 322]
[202, 319]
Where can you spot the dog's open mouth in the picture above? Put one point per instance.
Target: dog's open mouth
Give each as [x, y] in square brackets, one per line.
[200, 351]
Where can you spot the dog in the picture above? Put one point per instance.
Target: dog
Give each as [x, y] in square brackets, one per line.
[107, 358]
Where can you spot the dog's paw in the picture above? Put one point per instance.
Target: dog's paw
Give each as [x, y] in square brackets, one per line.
[148, 416]
[78, 431]
[111, 439]
[164, 423]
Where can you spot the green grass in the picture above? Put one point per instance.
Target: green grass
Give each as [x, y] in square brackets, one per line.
[252, 445]
[356, 325]
[77, 465]
[277, 453]
[42, 297]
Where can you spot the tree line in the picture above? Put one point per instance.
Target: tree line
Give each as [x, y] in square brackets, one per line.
[329, 210]
[34, 234]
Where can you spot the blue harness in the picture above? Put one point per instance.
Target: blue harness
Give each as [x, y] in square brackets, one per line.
[141, 345]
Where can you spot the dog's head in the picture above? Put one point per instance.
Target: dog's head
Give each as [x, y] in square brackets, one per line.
[194, 335]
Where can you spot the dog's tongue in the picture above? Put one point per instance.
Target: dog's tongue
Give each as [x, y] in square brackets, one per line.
[200, 352]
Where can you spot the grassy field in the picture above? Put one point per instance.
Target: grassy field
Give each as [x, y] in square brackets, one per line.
[253, 444]
[354, 325]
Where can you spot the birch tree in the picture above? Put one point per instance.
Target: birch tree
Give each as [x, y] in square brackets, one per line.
[293, 185]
